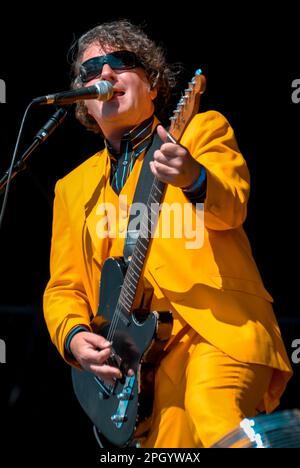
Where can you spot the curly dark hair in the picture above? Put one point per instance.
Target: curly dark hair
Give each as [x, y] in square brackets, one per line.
[122, 34]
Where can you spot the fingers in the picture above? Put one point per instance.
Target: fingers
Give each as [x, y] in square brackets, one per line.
[96, 361]
[92, 352]
[170, 148]
[97, 341]
[97, 357]
[164, 170]
[168, 162]
[107, 373]
[162, 133]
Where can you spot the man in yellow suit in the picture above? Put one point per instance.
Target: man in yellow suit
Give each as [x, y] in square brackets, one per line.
[225, 359]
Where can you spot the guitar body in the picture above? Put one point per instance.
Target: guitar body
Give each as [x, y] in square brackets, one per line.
[114, 409]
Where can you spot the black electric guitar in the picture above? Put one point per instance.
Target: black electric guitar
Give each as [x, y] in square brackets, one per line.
[115, 409]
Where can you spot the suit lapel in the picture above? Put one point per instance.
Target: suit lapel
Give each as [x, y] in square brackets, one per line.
[94, 183]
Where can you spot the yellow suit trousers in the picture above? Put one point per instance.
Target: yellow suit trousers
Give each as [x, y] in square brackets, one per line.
[209, 396]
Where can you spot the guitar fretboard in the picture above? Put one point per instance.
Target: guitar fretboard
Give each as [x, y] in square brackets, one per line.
[148, 224]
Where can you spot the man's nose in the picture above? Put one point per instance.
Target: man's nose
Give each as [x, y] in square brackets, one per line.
[107, 72]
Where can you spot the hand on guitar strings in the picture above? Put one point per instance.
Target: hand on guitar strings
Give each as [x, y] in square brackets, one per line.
[92, 351]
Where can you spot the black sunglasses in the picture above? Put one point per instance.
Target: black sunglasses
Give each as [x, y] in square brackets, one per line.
[118, 60]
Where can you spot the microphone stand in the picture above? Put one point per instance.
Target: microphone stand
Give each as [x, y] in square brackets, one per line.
[55, 120]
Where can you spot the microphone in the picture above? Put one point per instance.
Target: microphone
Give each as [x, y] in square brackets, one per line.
[55, 120]
[102, 91]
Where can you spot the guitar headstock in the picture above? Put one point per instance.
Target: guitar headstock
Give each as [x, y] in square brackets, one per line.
[188, 105]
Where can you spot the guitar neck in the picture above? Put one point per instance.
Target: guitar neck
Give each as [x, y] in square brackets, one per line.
[186, 109]
[135, 267]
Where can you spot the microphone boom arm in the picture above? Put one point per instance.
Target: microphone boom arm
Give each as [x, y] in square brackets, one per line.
[55, 120]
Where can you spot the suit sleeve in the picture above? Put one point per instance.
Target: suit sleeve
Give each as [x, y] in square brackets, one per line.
[210, 139]
[65, 301]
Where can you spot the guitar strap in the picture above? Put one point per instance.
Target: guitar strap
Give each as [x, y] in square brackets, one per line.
[141, 195]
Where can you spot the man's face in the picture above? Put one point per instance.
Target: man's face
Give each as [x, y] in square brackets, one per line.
[132, 101]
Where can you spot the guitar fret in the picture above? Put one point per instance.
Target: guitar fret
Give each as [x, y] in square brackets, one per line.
[126, 308]
[138, 269]
[143, 246]
[139, 254]
[153, 197]
[152, 211]
[134, 264]
[144, 233]
[134, 281]
[122, 310]
[123, 318]
[129, 286]
[127, 293]
[139, 260]
[127, 280]
[157, 189]
[125, 301]
[131, 290]
[153, 223]
[124, 304]
[131, 272]
[139, 247]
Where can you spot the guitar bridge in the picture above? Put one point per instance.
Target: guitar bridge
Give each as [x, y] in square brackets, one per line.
[120, 415]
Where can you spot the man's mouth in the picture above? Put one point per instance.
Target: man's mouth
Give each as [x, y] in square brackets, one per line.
[118, 93]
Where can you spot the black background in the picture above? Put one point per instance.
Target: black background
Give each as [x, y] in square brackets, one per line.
[250, 58]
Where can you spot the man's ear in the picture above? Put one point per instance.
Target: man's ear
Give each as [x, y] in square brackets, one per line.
[153, 87]
[152, 92]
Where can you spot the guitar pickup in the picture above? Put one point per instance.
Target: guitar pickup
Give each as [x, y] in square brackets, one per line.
[114, 359]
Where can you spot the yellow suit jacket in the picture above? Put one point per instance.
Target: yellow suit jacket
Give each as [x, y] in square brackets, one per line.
[215, 287]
